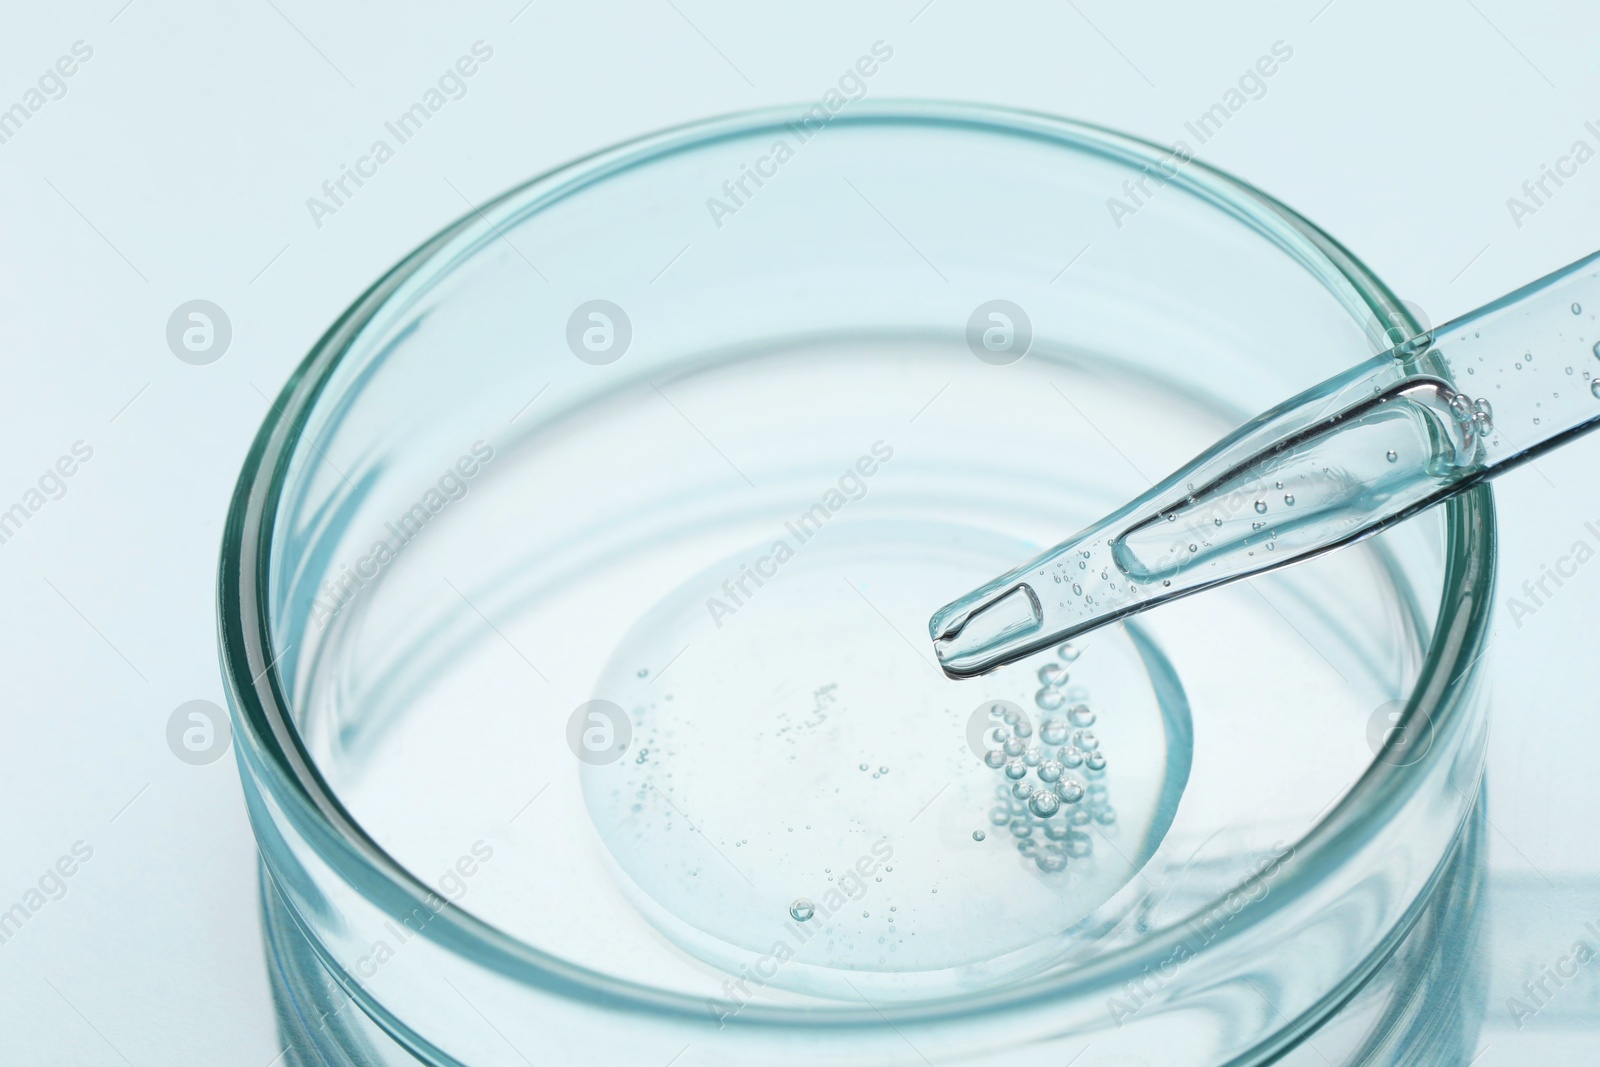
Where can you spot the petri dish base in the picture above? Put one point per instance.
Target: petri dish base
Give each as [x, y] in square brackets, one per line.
[551, 750]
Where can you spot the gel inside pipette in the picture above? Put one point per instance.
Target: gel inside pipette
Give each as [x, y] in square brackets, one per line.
[1335, 464]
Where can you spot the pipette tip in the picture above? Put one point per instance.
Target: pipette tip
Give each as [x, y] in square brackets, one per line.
[984, 630]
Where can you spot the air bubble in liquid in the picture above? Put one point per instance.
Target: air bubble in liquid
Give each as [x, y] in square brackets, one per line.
[1049, 770]
[1049, 698]
[1016, 769]
[1081, 715]
[1068, 652]
[1261, 507]
[1069, 790]
[1044, 803]
[1052, 674]
[1392, 456]
[803, 909]
[1053, 731]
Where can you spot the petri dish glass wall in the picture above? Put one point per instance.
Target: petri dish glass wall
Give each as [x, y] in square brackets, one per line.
[479, 509]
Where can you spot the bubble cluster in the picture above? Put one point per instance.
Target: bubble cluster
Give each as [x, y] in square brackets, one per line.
[1053, 788]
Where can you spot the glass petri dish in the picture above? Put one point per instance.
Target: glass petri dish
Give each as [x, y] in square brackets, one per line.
[572, 606]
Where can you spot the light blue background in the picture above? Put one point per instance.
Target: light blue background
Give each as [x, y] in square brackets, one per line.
[178, 165]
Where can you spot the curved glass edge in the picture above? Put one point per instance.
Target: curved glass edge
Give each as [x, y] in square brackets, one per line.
[272, 754]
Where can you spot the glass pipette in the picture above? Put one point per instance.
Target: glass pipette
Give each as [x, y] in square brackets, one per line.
[1337, 463]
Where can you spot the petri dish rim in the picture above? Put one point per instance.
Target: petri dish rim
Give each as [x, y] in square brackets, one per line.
[272, 754]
